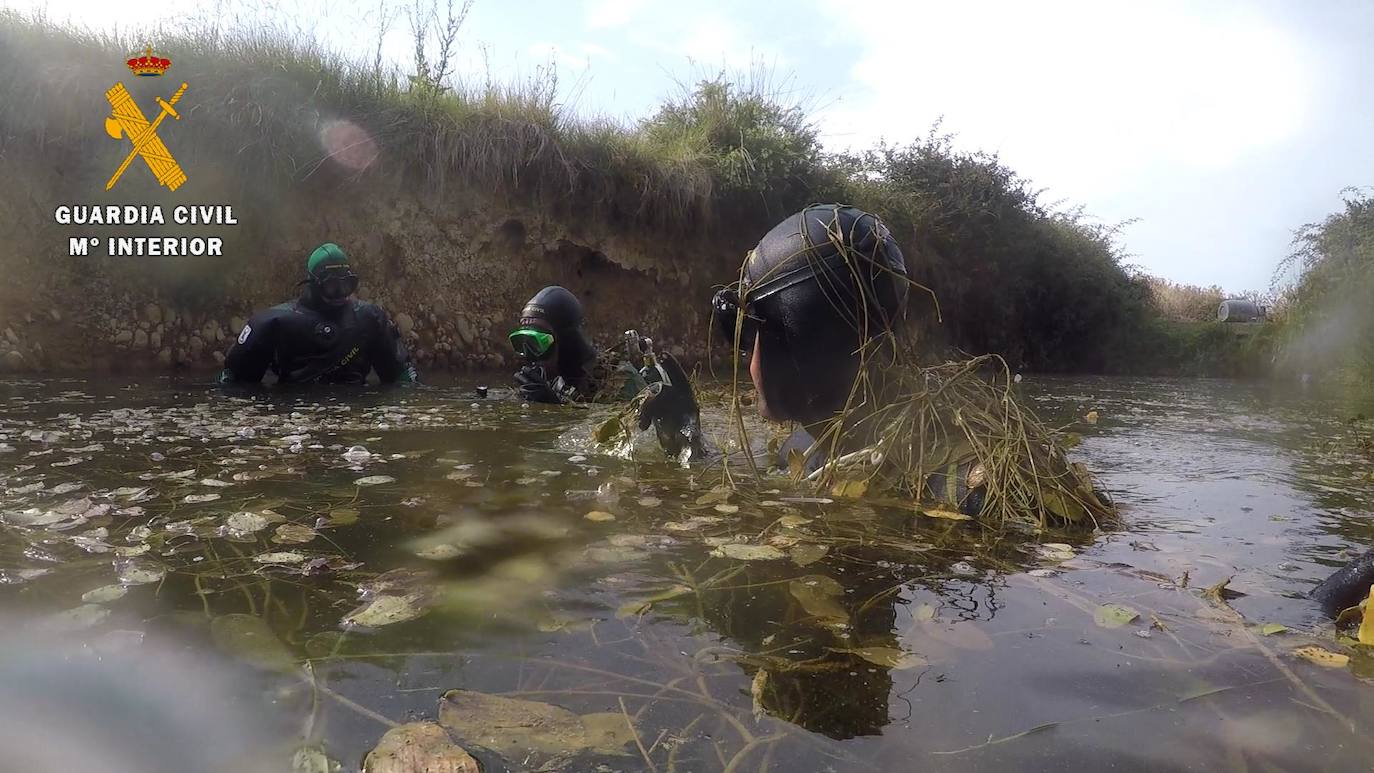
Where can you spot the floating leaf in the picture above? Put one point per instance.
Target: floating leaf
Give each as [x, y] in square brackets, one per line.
[77, 619]
[386, 610]
[742, 552]
[343, 517]
[141, 574]
[198, 498]
[636, 608]
[245, 522]
[374, 480]
[1366, 634]
[887, 657]
[1269, 629]
[599, 516]
[212, 483]
[250, 639]
[1092, 417]
[309, 759]
[443, 551]
[650, 501]
[1322, 657]
[104, 594]
[715, 495]
[792, 521]
[727, 509]
[817, 595]
[1114, 615]
[519, 729]
[293, 534]
[951, 515]
[279, 558]
[418, 747]
[609, 430]
[756, 689]
[850, 488]
[607, 732]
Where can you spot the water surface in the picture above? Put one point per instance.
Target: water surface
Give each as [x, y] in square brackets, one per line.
[761, 629]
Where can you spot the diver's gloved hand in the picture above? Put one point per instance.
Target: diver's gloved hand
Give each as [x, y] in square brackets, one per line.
[532, 384]
[672, 409]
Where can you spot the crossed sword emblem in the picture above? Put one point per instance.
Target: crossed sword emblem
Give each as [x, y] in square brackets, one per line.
[128, 121]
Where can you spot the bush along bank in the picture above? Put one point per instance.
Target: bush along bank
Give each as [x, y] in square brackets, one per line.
[435, 184]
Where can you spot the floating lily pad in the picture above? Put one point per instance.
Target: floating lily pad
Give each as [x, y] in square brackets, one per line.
[1322, 657]
[77, 619]
[887, 657]
[805, 554]
[948, 515]
[1114, 615]
[250, 639]
[141, 574]
[521, 729]
[293, 534]
[245, 522]
[742, 552]
[418, 747]
[104, 594]
[343, 517]
[817, 595]
[309, 759]
[279, 558]
[634, 608]
[386, 610]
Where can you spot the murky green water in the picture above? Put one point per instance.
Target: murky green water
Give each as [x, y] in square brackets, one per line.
[490, 548]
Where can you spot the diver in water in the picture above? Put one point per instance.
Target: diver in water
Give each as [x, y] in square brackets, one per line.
[1347, 586]
[325, 336]
[815, 314]
[560, 365]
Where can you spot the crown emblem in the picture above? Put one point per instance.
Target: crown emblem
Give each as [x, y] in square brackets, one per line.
[149, 65]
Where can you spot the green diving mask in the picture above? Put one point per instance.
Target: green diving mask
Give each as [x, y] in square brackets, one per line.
[532, 344]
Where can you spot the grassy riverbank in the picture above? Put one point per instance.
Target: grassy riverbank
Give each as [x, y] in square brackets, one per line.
[715, 167]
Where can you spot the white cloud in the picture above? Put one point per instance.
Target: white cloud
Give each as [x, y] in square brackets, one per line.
[574, 56]
[602, 14]
[716, 41]
[1082, 94]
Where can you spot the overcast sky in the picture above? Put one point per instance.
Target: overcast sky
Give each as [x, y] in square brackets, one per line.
[1219, 127]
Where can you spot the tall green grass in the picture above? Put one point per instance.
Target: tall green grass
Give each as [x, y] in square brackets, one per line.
[1329, 311]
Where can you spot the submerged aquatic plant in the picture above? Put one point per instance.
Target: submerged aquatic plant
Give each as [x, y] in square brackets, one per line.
[955, 432]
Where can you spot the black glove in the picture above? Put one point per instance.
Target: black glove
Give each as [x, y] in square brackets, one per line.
[672, 409]
[532, 384]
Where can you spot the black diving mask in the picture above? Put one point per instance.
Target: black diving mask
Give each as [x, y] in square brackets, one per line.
[727, 306]
[336, 286]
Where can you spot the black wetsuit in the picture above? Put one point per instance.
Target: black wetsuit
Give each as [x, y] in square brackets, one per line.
[307, 342]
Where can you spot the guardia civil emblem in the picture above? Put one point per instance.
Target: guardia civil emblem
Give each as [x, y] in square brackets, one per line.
[128, 122]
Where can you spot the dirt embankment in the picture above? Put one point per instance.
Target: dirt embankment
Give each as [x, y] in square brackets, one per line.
[453, 270]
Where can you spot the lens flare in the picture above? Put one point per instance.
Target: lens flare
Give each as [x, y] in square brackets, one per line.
[348, 144]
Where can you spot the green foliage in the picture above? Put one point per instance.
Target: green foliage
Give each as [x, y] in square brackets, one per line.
[722, 162]
[1045, 289]
[1330, 312]
[759, 151]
